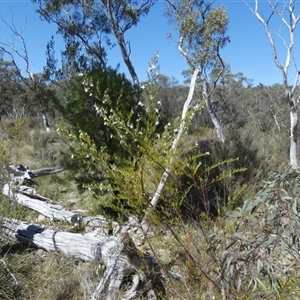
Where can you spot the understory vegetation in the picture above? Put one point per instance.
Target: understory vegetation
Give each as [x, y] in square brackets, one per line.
[226, 225]
[203, 165]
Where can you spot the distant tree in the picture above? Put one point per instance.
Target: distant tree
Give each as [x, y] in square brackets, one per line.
[285, 12]
[202, 30]
[231, 98]
[170, 96]
[267, 108]
[87, 25]
[36, 94]
[11, 91]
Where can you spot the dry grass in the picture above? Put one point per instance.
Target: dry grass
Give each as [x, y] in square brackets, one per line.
[181, 249]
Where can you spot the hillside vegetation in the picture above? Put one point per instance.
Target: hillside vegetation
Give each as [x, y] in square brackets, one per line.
[225, 227]
[197, 184]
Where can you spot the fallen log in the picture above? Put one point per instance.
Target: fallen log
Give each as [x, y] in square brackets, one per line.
[27, 196]
[128, 274]
[122, 259]
[83, 246]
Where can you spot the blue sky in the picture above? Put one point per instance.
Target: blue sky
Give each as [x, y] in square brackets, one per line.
[249, 51]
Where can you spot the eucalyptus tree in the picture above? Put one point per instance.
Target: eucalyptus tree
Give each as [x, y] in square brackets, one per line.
[36, 95]
[11, 91]
[202, 30]
[284, 12]
[87, 27]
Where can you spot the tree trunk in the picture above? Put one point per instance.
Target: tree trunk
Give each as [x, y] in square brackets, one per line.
[165, 175]
[122, 44]
[212, 112]
[293, 137]
[45, 121]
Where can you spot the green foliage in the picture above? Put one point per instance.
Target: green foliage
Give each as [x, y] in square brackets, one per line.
[11, 91]
[91, 91]
[249, 253]
[129, 165]
[265, 236]
[98, 98]
[91, 21]
[129, 132]
[12, 275]
[202, 28]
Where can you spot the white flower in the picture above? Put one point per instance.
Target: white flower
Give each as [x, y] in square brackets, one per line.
[140, 104]
[158, 102]
[151, 67]
[80, 74]
[86, 89]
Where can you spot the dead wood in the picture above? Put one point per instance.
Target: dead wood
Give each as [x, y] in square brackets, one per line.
[128, 274]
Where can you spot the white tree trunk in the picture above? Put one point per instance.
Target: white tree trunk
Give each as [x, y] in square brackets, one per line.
[290, 19]
[212, 112]
[293, 138]
[215, 120]
[45, 121]
[165, 176]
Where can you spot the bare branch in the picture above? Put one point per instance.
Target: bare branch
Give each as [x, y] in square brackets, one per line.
[291, 24]
[24, 56]
[185, 55]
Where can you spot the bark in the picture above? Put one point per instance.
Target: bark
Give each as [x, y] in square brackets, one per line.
[212, 112]
[293, 137]
[165, 176]
[45, 121]
[83, 246]
[28, 197]
[124, 263]
[290, 21]
[119, 34]
[206, 92]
